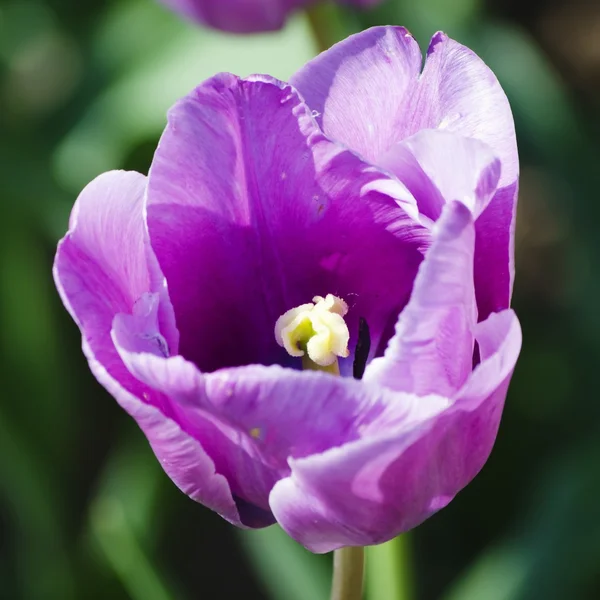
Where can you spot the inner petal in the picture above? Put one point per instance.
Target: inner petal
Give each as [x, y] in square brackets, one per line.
[252, 211]
[439, 167]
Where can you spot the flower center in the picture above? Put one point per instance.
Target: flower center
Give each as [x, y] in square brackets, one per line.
[316, 332]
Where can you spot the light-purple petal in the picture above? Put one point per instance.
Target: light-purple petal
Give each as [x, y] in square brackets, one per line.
[181, 456]
[107, 229]
[360, 89]
[102, 267]
[370, 95]
[250, 420]
[371, 490]
[466, 98]
[432, 348]
[252, 211]
[231, 449]
[438, 166]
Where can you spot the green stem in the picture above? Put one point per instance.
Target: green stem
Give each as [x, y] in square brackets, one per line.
[326, 24]
[348, 571]
[389, 570]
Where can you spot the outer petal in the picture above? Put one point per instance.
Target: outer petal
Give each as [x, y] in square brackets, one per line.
[231, 448]
[252, 211]
[107, 228]
[101, 269]
[473, 104]
[370, 491]
[432, 349]
[438, 166]
[370, 95]
[360, 89]
[467, 99]
[181, 456]
[251, 420]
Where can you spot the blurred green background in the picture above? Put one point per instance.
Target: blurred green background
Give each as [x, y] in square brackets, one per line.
[85, 510]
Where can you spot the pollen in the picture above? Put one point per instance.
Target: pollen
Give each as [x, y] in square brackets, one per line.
[315, 330]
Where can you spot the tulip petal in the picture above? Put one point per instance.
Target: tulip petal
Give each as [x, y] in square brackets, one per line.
[494, 252]
[360, 89]
[469, 101]
[231, 449]
[371, 490]
[438, 167]
[251, 420]
[432, 349]
[370, 95]
[472, 103]
[107, 228]
[102, 268]
[181, 456]
[252, 211]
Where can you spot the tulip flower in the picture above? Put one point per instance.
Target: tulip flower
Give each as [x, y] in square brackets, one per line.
[305, 304]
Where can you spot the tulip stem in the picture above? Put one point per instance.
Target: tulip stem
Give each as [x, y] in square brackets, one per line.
[389, 570]
[326, 24]
[348, 571]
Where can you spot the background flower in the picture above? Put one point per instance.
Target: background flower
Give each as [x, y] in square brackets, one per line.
[245, 16]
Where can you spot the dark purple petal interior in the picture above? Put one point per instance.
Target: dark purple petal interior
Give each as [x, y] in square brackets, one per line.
[494, 249]
[252, 211]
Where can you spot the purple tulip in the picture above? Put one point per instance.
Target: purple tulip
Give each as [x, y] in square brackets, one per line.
[245, 16]
[388, 193]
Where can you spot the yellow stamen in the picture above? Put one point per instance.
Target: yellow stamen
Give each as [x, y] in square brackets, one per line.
[316, 332]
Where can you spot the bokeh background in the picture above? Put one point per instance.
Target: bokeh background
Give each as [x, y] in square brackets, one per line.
[85, 510]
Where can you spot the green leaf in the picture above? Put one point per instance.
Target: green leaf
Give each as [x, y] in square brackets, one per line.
[121, 521]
